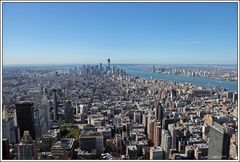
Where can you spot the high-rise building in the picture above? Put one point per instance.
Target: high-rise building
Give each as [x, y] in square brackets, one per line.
[40, 122]
[173, 132]
[131, 151]
[26, 149]
[47, 141]
[106, 132]
[156, 153]
[108, 65]
[137, 117]
[9, 127]
[58, 151]
[83, 112]
[68, 112]
[55, 105]
[118, 143]
[173, 94]
[150, 130]
[46, 110]
[90, 140]
[166, 143]
[154, 68]
[100, 67]
[167, 121]
[181, 146]
[157, 134]
[84, 70]
[5, 149]
[145, 121]
[25, 118]
[235, 97]
[219, 143]
[159, 112]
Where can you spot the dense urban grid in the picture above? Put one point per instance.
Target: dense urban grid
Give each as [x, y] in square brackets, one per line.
[101, 112]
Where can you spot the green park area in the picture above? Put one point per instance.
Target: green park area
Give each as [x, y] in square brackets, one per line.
[69, 130]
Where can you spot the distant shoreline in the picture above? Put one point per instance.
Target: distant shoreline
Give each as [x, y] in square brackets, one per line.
[41, 65]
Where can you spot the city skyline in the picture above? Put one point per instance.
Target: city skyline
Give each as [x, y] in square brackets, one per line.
[97, 112]
[120, 81]
[150, 33]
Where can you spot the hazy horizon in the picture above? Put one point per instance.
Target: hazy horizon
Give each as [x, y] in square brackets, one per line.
[59, 64]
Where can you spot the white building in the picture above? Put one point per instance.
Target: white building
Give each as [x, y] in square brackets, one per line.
[9, 127]
[166, 143]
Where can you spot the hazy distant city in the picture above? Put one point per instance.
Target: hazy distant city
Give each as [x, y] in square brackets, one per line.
[141, 98]
[101, 112]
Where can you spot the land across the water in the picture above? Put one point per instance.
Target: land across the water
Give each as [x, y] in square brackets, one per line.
[143, 71]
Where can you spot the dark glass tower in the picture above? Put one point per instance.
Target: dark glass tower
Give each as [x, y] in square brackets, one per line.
[68, 112]
[159, 112]
[25, 118]
[108, 64]
[5, 149]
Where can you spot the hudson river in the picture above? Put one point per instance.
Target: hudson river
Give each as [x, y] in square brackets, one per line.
[145, 73]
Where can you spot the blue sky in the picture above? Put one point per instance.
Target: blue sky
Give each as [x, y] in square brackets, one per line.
[151, 33]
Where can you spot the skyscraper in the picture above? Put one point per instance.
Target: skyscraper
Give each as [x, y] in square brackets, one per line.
[5, 149]
[154, 68]
[108, 62]
[159, 112]
[108, 65]
[173, 94]
[26, 149]
[137, 117]
[91, 140]
[166, 143]
[68, 112]
[157, 133]
[219, 143]
[10, 129]
[46, 107]
[55, 105]
[173, 132]
[156, 153]
[25, 118]
[101, 67]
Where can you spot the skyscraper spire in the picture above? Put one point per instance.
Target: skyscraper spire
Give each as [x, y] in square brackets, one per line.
[108, 64]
